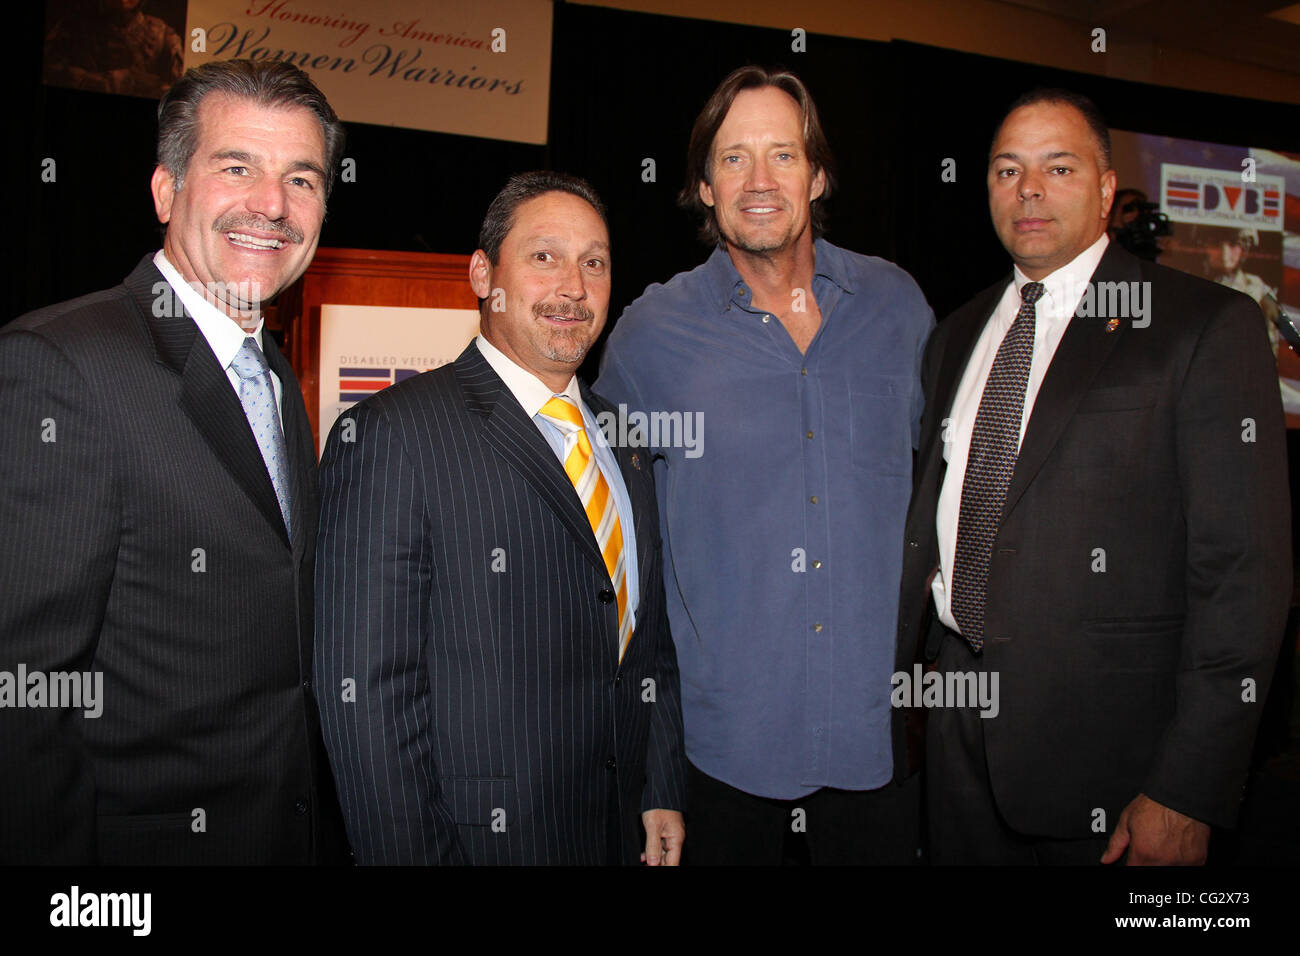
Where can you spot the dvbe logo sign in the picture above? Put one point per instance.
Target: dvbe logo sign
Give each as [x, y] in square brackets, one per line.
[1219, 197]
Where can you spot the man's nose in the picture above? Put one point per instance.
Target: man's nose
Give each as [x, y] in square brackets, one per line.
[268, 198]
[1030, 186]
[760, 176]
[572, 283]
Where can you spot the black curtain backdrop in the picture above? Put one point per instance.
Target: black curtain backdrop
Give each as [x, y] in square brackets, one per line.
[625, 87]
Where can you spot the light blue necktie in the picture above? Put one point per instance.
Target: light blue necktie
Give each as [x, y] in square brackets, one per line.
[257, 395]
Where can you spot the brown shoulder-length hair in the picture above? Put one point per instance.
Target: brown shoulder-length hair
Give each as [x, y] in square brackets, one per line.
[699, 153]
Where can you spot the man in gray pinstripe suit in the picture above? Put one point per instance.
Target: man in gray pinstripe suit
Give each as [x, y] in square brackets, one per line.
[497, 679]
[158, 501]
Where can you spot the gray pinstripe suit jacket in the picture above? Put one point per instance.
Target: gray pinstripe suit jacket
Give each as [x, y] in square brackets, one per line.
[474, 706]
[145, 543]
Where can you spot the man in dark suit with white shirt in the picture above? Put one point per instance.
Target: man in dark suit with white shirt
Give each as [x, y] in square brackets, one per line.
[498, 682]
[158, 495]
[1100, 520]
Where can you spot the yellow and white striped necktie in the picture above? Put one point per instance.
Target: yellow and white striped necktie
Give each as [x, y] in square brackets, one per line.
[593, 491]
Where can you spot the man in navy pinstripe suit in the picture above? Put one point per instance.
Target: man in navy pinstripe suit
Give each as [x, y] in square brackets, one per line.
[497, 679]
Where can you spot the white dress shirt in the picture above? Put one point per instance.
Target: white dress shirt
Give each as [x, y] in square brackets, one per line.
[532, 393]
[224, 335]
[1062, 291]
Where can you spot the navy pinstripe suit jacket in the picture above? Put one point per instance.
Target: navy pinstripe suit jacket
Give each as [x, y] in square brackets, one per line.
[462, 595]
[474, 707]
[144, 543]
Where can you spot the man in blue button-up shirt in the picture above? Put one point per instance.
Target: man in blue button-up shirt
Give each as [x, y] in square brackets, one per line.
[783, 514]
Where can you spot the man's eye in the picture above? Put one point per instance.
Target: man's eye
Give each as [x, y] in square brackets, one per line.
[300, 181]
[237, 170]
[1005, 173]
[595, 264]
[1061, 169]
[785, 156]
[542, 256]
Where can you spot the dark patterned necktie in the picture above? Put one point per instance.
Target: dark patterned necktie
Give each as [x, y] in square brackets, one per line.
[994, 445]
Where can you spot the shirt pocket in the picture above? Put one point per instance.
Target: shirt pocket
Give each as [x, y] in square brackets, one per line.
[880, 427]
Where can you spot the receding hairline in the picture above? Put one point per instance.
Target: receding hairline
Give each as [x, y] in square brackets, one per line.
[1099, 148]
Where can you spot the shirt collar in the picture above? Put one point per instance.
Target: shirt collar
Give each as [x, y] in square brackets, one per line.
[224, 336]
[529, 390]
[726, 282]
[1064, 288]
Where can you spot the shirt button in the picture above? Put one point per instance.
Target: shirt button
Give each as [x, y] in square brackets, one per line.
[740, 291]
[817, 628]
[803, 371]
[813, 499]
[767, 319]
[810, 434]
[817, 564]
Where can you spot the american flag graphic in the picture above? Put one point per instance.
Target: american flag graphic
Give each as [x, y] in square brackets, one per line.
[1183, 195]
[356, 384]
[1272, 202]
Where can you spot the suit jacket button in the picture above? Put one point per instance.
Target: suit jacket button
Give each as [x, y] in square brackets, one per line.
[300, 807]
[606, 596]
[611, 764]
[913, 544]
[618, 679]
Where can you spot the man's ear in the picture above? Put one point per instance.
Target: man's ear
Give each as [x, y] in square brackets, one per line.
[1108, 183]
[818, 184]
[163, 185]
[706, 194]
[480, 274]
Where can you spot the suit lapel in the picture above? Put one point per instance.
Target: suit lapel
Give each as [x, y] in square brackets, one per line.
[206, 394]
[1082, 351]
[965, 328]
[516, 439]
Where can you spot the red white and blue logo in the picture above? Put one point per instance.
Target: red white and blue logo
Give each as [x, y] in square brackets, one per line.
[1220, 197]
[356, 384]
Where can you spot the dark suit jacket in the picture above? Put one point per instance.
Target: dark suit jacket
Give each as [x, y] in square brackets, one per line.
[461, 593]
[145, 542]
[1164, 448]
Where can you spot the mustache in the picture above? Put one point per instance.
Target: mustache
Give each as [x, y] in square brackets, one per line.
[234, 222]
[572, 310]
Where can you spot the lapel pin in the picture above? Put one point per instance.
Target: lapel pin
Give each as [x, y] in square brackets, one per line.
[636, 461]
[1112, 325]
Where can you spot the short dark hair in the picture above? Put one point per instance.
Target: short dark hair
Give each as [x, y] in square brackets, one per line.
[268, 82]
[520, 188]
[699, 153]
[1091, 115]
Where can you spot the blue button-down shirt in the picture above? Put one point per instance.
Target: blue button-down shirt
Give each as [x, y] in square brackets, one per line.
[783, 526]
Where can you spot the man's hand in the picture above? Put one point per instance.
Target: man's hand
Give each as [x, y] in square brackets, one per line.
[665, 832]
[1157, 836]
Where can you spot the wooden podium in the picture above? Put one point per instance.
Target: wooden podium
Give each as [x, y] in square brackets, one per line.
[361, 277]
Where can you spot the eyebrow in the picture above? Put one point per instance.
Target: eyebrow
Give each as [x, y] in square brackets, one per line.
[791, 144]
[597, 245]
[1015, 158]
[296, 166]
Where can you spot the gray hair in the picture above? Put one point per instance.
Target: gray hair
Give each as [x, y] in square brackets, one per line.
[268, 82]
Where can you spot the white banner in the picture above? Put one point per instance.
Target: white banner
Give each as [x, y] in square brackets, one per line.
[1221, 197]
[366, 348]
[472, 67]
